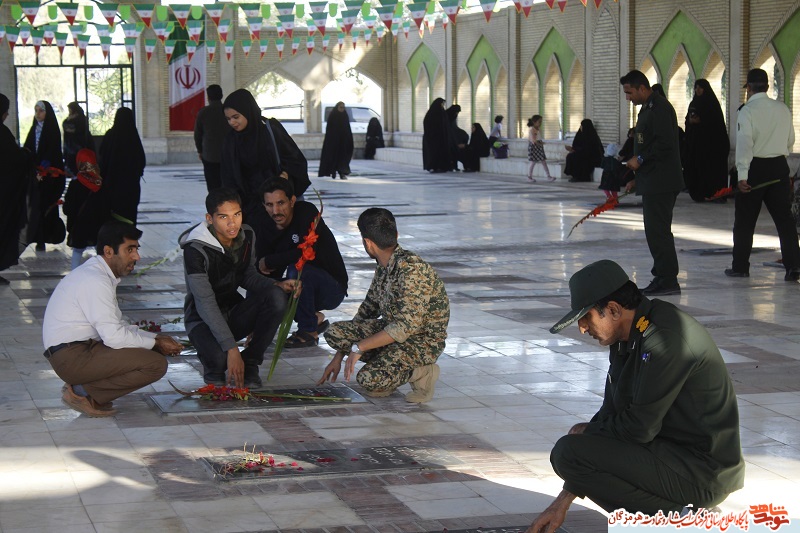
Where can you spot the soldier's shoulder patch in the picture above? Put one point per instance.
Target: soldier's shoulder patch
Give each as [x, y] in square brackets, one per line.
[642, 324]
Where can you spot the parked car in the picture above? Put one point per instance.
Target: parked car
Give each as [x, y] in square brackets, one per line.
[360, 116]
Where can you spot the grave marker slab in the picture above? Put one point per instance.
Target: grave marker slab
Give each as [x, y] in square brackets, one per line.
[340, 462]
[722, 251]
[507, 529]
[172, 403]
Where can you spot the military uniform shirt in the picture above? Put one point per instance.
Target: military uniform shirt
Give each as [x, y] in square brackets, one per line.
[656, 141]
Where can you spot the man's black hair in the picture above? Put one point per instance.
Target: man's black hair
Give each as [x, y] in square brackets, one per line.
[628, 297]
[214, 92]
[276, 184]
[498, 119]
[219, 196]
[377, 224]
[635, 79]
[113, 234]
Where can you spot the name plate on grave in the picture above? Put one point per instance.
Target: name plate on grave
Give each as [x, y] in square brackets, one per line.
[350, 461]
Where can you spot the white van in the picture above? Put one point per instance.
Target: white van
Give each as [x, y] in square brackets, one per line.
[359, 114]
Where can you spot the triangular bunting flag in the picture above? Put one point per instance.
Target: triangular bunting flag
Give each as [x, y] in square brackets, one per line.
[320, 19]
[211, 49]
[149, 47]
[310, 44]
[12, 34]
[562, 4]
[370, 20]
[287, 21]
[246, 45]
[583, 2]
[229, 49]
[354, 39]
[418, 11]
[195, 28]
[396, 25]
[340, 40]
[25, 32]
[251, 10]
[406, 28]
[488, 8]
[285, 8]
[61, 41]
[263, 44]
[280, 31]
[279, 45]
[160, 28]
[191, 47]
[76, 30]
[550, 3]
[222, 29]
[451, 8]
[181, 12]
[254, 24]
[326, 39]
[132, 29]
[130, 47]
[30, 9]
[379, 31]
[445, 22]
[37, 34]
[69, 9]
[597, 3]
[317, 7]
[386, 14]
[50, 33]
[169, 48]
[526, 7]
[367, 36]
[103, 30]
[295, 44]
[109, 12]
[145, 13]
[349, 17]
[312, 29]
[105, 45]
[215, 12]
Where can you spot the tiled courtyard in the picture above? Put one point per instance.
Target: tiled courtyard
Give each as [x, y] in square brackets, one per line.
[508, 387]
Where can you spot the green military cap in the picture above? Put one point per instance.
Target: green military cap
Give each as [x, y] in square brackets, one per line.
[588, 286]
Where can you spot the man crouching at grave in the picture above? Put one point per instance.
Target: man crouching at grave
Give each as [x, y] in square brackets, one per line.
[99, 355]
[667, 434]
[400, 329]
[218, 259]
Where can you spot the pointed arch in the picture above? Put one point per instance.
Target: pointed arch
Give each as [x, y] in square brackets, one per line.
[649, 69]
[683, 33]
[787, 49]
[530, 97]
[499, 96]
[421, 98]
[483, 96]
[768, 60]
[464, 95]
[714, 73]
[423, 60]
[605, 102]
[483, 55]
[575, 100]
[679, 85]
[553, 98]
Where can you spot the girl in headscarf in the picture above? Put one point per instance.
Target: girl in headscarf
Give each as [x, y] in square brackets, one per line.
[436, 138]
[44, 141]
[337, 148]
[374, 138]
[84, 205]
[478, 147]
[707, 145]
[585, 154]
[16, 179]
[76, 136]
[122, 163]
[255, 151]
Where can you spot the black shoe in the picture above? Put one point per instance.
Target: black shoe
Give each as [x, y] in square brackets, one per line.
[792, 275]
[40, 247]
[342, 176]
[657, 289]
[731, 273]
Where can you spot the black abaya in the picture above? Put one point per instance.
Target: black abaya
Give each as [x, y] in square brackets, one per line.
[337, 148]
[122, 163]
[706, 145]
[436, 138]
[586, 155]
[17, 207]
[374, 138]
[478, 147]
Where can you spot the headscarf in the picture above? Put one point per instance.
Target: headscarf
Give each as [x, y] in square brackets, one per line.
[122, 150]
[49, 148]
[452, 112]
[478, 141]
[251, 142]
[338, 122]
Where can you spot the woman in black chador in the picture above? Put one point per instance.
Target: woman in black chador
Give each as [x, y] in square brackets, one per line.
[374, 138]
[16, 179]
[337, 148]
[707, 146]
[585, 154]
[44, 141]
[76, 136]
[255, 151]
[478, 147]
[458, 138]
[436, 138]
[122, 163]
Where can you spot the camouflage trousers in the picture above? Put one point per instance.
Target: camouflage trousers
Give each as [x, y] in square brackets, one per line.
[387, 367]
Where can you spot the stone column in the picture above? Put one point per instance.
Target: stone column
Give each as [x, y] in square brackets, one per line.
[739, 62]
[312, 109]
[627, 51]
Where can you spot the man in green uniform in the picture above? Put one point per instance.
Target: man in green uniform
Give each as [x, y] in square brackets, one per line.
[399, 330]
[667, 434]
[659, 178]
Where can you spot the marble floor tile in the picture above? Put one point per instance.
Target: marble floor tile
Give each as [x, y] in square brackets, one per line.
[231, 434]
[306, 511]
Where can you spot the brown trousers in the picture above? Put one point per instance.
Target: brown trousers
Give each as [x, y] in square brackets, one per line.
[108, 373]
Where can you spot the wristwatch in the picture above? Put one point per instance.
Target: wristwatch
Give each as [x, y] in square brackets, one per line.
[356, 349]
[640, 159]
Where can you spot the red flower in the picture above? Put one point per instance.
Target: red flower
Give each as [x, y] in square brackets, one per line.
[208, 389]
[722, 193]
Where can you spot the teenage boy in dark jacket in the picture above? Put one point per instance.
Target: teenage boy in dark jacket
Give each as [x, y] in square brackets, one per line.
[218, 259]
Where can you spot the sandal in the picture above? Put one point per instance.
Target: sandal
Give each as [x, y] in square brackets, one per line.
[301, 339]
[323, 327]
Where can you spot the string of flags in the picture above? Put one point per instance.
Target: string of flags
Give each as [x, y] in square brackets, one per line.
[39, 24]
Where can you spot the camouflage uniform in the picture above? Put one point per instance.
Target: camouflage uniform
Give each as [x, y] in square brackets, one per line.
[408, 301]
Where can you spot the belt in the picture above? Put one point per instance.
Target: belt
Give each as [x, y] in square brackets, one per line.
[53, 349]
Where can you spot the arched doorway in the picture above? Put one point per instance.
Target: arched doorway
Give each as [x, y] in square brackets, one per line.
[680, 86]
[530, 99]
[575, 98]
[422, 99]
[280, 98]
[553, 99]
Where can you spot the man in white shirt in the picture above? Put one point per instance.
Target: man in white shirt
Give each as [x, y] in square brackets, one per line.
[99, 356]
[764, 137]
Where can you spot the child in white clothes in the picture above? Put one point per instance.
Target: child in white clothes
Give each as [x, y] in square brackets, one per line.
[536, 148]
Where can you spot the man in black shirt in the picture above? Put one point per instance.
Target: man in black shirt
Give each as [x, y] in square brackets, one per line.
[324, 278]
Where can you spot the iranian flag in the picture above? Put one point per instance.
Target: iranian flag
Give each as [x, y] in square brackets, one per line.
[187, 84]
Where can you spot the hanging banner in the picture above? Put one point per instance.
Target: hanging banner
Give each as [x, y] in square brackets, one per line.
[30, 9]
[349, 17]
[263, 45]
[222, 29]
[310, 44]
[70, 11]
[145, 12]
[37, 35]
[195, 28]
[284, 8]
[229, 49]
[211, 46]
[130, 47]
[254, 25]
[326, 39]
[295, 44]
[279, 42]
[386, 14]
[451, 8]
[61, 41]
[317, 7]
[287, 21]
[320, 20]
[562, 4]
[50, 33]
[181, 12]
[191, 48]
[246, 45]
[215, 12]
[149, 47]
[187, 83]
[109, 12]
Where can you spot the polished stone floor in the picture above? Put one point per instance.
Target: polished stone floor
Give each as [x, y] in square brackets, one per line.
[508, 387]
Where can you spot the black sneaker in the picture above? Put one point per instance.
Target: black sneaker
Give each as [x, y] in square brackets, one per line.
[792, 275]
[656, 289]
[731, 273]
